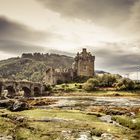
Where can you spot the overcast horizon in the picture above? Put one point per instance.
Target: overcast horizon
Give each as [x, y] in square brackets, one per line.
[107, 28]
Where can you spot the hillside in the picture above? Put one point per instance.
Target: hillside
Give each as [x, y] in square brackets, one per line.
[32, 66]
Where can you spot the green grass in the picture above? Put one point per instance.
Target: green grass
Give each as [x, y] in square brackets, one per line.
[132, 123]
[73, 89]
[6, 126]
[99, 93]
[64, 114]
[23, 134]
[76, 121]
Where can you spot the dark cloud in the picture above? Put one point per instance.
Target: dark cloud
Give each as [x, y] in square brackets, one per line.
[114, 57]
[15, 31]
[17, 47]
[134, 21]
[106, 12]
[16, 38]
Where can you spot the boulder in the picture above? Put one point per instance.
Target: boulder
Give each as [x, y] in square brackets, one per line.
[85, 136]
[94, 113]
[115, 112]
[19, 106]
[3, 137]
[6, 103]
[106, 118]
[107, 136]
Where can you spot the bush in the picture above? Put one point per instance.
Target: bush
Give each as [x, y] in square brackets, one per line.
[125, 84]
[79, 86]
[137, 86]
[127, 122]
[107, 80]
[48, 87]
[80, 79]
[91, 84]
[68, 89]
[65, 85]
[59, 82]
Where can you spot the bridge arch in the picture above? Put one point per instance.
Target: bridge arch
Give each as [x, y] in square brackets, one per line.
[37, 91]
[14, 87]
[11, 90]
[27, 91]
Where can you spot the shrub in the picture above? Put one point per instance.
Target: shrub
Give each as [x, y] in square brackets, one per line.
[137, 86]
[68, 89]
[59, 82]
[127, 122]
[80, 79]
[48, 87]
[107, 80]
[124, 84]
[65, 85]
[79, 86]
[91, 84]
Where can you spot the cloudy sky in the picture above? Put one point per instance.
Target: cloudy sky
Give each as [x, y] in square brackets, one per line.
[110, 29]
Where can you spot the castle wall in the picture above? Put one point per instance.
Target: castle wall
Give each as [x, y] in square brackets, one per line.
[50, 77]
[83, 66]
[54, 76]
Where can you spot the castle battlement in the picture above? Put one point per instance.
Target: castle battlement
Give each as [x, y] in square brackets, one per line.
[84, 55]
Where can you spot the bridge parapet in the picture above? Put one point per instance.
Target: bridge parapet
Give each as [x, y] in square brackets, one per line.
[13, 87]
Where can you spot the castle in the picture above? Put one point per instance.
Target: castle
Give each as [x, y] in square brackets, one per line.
[83, 66]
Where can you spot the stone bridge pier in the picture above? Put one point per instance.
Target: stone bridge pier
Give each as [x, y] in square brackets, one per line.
[16, 87]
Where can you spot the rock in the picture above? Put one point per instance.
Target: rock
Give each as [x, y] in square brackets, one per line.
[66, 135]
[85, 136]
[132, 114]
[6, 103]
[19, 106]
[96, 138]
[94, 113]
[21, 119]
[107, 136]
[4, 95]
[2, 137]
[116, 94]
[53, 120]
[115, 112]
[19, 97]
[14, 105]
[106, 118]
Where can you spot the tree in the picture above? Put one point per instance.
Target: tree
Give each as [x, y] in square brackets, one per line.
[37, 76]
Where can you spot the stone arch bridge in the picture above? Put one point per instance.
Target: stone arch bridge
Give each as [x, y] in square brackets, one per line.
[14, 87]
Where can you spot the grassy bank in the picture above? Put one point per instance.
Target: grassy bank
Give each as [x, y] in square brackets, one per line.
[75, 89]
[50, 124]
[99, 93]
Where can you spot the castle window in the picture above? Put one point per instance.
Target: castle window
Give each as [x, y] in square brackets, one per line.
[85, 67]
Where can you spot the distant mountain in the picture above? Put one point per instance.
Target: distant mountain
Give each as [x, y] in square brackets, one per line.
[101, 72]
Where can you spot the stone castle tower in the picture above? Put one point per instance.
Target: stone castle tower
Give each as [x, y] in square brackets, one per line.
[84, 64]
